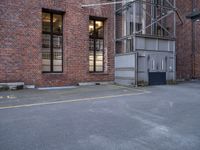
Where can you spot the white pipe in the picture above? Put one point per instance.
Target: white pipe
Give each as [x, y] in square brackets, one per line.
[132, 35]
[108, 3]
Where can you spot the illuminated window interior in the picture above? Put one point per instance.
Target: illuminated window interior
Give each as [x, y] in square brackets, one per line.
[96, 46]
[52, 45]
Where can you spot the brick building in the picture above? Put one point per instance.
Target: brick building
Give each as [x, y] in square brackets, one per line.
[48, 43]
[188, 34]
[58, 42]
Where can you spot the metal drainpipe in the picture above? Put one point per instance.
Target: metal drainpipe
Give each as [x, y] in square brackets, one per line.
[134, 41]
[114, 38]
[193, 41]
[175, 52]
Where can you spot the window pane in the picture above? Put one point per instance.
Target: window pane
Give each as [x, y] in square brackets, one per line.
[99, 28]
[91, 56]
[57, 42]
[91, 27]
[57, 62]
[138, 26]
[57, 24]
[129, 21]
[57, 66]
[99, 68]
[99, 45]
[46, 53]
[46, 21]
[99, 56]
[91, 61]
[91, 68]
[129, 45]
[46, 40]
[57, 53]
[91, 45]
[99, 61]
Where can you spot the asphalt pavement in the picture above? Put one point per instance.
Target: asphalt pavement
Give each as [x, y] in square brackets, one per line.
[100, 117]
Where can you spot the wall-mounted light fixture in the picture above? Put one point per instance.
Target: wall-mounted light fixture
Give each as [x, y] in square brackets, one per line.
[195, 15]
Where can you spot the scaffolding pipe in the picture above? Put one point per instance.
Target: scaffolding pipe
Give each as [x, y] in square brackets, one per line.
[132, 35]
[157, 22]
[144, 2]
[128, 2]
[174, 74]
[134, 41]
[124, 7]
[106, 3]
[179, 17]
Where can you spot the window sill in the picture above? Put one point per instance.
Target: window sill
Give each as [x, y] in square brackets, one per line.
[52, 73]
[98, 73]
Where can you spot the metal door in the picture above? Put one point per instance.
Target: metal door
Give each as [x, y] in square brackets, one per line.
[157, 78]
[157, 70]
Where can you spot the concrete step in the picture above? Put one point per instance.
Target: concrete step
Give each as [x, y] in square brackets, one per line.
[11, 86]
[94, 83]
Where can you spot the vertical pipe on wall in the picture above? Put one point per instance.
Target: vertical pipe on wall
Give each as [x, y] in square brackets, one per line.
[134, 44]
[114, 38]
[124, 27]
[114, 29]
[174, 47]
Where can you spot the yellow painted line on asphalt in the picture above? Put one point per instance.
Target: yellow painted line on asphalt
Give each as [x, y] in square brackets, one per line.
[73, 100]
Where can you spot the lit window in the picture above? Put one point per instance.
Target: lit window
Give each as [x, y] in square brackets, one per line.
[96, 46]
[52, 45]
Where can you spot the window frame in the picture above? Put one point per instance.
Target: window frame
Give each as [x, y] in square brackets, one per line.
[94, 38]
[51, 34]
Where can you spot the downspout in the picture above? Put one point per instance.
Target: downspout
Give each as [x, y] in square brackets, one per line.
[134, 45]
[193, 42]
[114, 38]
[175, 53]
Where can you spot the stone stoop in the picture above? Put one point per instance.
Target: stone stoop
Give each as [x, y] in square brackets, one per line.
[11, 86]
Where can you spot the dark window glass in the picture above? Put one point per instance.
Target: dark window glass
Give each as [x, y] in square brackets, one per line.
[57, 53]
[46, 52]
[52, 45]
[57, 24]
[96, 46]
[46, 22]
[129, 31]
[138, 26]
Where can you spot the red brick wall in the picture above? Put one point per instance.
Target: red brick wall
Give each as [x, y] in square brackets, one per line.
[184, 40]
[197, 47]
[20, 42]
